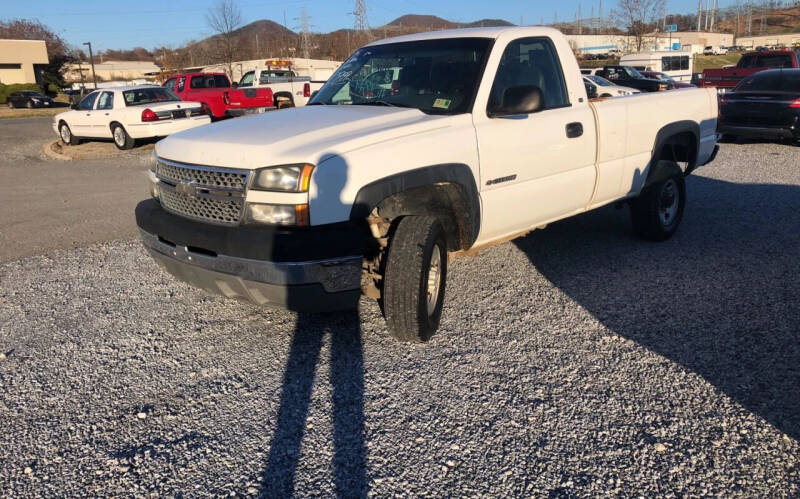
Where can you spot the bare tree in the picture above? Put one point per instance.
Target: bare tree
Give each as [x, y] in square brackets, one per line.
[639, 17]
[225, 18]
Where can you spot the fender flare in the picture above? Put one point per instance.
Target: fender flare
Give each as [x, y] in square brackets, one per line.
[370, 195]
[663, 135]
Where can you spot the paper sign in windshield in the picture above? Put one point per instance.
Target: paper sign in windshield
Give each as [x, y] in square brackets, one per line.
[442, 103]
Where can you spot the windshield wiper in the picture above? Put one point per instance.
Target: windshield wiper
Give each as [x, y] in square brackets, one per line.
[380, 103]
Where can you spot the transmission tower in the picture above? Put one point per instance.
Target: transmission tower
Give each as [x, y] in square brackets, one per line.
[305, 34]
[361, 24]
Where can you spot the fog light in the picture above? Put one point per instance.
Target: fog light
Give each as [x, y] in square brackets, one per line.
[154, 190]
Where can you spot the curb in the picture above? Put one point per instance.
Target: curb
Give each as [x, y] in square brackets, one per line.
[47, 149]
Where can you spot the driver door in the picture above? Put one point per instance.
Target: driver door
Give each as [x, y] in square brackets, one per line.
[538, 167]
[81, 119]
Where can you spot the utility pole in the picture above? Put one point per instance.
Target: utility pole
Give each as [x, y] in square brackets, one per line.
[699, 14]
[91, 59]
[749, 19]
[713, 14]
[580, 20]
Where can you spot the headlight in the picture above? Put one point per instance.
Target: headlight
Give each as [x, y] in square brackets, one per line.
[277, 214]
[289, 178]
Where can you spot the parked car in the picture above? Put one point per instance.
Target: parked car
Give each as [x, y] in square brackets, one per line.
[29, 99]
[218, 98]
[590, 71]
[127, 114]
[665, 78]
[288, 89]
[487, 135]
[630, 77]
[607, 89]
[766, 104]
[715, 50]
[750, 63]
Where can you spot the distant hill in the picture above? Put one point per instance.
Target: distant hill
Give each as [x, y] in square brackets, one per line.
[427, 22]
[778, 21]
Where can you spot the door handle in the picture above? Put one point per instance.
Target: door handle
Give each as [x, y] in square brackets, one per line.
[107, 114]
[574, 130]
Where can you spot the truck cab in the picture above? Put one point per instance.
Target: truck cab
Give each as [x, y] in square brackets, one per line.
[288, 89]
[725, 79]
[217, 96]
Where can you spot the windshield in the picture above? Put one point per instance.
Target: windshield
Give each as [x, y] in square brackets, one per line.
[434, 76]
[633, 73]
[600, 81]
[148, 96]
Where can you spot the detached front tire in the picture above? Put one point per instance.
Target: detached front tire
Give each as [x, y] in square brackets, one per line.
[122, 140]
[657, 212]
[414, 279]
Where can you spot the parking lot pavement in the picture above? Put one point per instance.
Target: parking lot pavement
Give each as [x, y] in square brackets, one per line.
[50, 204]
[578, 361]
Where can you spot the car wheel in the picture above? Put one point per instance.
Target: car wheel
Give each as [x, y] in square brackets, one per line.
[414, 279]
[658, 210]
[284, 104]
[11, 104]
[29, 104]
[122, 140]
[606, 95]
[66, 135]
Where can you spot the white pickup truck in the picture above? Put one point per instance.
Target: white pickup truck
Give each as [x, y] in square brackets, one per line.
[288, 89]
[484, 135]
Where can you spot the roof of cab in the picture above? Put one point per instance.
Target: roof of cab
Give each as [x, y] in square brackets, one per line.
[472, 33]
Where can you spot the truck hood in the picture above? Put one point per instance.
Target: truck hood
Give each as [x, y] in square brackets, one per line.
[298, 135]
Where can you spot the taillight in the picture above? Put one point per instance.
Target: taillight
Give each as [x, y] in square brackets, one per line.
[226, 97]
[795, 104]
[149, 115]
[307, 90]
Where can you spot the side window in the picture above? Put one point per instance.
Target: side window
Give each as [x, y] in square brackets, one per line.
[170, 84]
[247, 79]
[106, 101]
[531, 61]
[88, 102]
[181, 83]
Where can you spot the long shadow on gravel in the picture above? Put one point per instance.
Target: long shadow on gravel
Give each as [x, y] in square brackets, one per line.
[721, 298]
[347, 380]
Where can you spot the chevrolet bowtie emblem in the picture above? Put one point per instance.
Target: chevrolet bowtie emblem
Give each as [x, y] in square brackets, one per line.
[187, 188]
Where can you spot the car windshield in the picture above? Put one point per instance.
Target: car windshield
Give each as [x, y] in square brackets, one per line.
[148, 96]
[632, 72]
[434, 76]
[600, 81]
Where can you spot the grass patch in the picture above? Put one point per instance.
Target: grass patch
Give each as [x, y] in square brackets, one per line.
[702, 62]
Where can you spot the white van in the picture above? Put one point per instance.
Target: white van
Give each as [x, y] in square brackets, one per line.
[678, 65]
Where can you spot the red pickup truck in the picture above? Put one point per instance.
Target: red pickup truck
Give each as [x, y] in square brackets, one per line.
[752, 62]
[218, 98]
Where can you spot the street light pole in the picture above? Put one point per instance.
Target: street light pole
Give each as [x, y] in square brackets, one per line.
[91, 59]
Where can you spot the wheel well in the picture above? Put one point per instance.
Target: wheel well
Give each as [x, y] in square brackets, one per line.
[680, 148]
[445, 201]
[111, 125]
[62, 122]
[284, 94]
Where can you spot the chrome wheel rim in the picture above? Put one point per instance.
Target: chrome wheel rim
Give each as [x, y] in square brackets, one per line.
[65, 135]
[119, 136]
[434, 279]
[668, 203]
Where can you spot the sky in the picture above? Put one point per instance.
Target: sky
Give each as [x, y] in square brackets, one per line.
[171, 23]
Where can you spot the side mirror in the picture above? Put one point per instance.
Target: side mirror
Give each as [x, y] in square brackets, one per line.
[524, 99]
[73, 106]
[235, 85]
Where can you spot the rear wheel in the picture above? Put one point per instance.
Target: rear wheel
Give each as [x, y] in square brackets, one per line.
[11, 104]
[121, 138]
[29, 104]
[658, 210]
[414, 279]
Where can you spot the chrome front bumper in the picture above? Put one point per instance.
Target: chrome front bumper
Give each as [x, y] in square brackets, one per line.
[302, 286]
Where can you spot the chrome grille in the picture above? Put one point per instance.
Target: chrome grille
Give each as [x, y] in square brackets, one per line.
[214, 195]
[202, 176]
[215, 210]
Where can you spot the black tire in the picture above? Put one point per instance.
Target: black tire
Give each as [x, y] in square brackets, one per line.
[657, 212]
[29, 104]
[121, 138]
[65, 132]
[605, 96]
[283, 104]
[405, 303]
[11, 104]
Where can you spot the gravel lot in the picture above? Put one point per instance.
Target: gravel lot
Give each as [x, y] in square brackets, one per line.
[578, 361]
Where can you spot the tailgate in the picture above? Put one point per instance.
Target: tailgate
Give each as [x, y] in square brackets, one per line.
[252, 97]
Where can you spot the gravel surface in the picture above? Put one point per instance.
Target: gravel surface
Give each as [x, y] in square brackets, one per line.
[578, 361]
